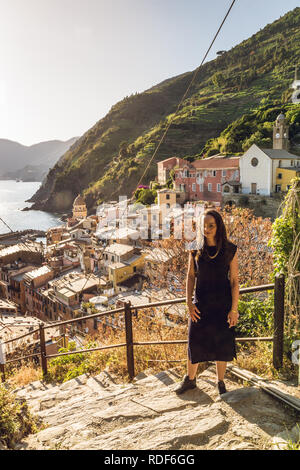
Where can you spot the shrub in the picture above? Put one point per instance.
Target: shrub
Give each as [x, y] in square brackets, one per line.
[15, 418]
[256, 316]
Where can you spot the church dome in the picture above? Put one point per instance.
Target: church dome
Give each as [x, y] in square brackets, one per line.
[79, 201]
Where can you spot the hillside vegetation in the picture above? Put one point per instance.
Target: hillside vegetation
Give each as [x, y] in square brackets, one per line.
[108, 160]
[256, 127]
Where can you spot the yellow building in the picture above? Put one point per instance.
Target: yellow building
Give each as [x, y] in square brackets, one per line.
[168, 198]
[122, 270]
[284, 175]
[79, 208]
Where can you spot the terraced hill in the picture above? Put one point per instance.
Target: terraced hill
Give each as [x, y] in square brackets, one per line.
[109, 158]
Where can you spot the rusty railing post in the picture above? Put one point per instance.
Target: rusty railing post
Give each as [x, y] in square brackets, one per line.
[2, 361]
[2, 371]
[43, 351]
[278, 321]
[129, 340]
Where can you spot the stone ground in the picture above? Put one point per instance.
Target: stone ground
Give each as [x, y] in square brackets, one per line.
[97, 413]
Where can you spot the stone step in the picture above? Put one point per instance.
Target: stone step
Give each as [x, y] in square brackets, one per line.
[96, 413]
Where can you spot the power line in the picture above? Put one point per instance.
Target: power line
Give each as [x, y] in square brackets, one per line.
[186, 92]
[181, 101]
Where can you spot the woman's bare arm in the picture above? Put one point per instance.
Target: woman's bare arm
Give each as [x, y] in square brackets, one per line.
[234, 282]
[190, 280]
[190, 284]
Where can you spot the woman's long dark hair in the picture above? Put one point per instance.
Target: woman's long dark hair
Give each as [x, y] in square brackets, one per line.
[221, 237]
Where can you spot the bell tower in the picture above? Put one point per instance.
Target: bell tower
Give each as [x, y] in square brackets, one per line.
[281, 133]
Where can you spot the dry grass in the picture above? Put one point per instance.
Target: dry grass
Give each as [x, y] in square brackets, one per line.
[258, 359]
[24, 375]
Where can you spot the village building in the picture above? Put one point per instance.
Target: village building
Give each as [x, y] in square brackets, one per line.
[296, 87]
[29, 252]
[208, 178]
[268, 171]
[14, 326]
[56, 234]
[33, 280]
[16, 287]
[7, 308]
[165, 166]
[122, 262]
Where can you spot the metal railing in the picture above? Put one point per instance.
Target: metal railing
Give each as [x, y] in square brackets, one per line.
[128, 309]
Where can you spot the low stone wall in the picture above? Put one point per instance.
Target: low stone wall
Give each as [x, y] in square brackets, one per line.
[263, 206]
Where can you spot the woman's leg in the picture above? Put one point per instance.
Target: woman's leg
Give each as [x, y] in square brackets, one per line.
[221, 369]
[191, 369]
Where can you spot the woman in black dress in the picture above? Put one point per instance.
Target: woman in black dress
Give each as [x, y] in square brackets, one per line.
[213, 311]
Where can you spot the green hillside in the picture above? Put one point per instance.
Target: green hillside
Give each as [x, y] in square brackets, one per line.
[256, 127]
[108, 160]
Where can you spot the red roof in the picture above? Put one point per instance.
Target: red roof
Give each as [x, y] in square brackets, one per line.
[216, 163]
[177, 160]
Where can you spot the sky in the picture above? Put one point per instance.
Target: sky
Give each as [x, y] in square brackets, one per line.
[64, 63]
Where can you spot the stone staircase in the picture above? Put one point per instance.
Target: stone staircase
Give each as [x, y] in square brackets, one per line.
[96, 413]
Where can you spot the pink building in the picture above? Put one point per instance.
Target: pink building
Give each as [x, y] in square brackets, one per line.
[209, 178]
[164, 167]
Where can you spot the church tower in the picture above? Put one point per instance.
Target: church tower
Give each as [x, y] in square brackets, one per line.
[281, 133]
[79, 208]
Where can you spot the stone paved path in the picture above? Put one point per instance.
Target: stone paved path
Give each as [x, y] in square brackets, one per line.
[96, 413]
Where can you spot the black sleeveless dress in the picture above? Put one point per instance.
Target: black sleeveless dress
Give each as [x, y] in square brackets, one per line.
[210, 338]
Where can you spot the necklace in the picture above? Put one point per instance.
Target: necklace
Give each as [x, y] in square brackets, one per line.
[214, 256]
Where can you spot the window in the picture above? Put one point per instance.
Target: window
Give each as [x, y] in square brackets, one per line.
[292, 163]
[279, 176]
[193, 187]
[223, 172]
[205, 173]
[201, 187]
[167, 196]
[209, 186]
[254, 162]
[214, 173]
[218, 187]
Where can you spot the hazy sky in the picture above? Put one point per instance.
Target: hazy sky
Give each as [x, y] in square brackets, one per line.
[64, 63]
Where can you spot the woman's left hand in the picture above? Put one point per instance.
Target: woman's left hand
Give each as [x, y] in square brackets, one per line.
[232, 318]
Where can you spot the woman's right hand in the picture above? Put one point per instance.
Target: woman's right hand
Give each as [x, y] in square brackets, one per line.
[194, 312]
